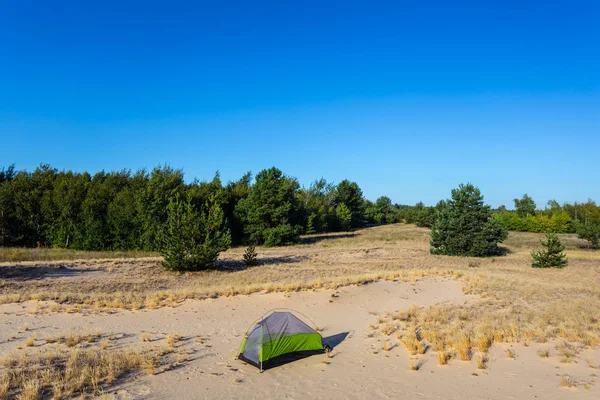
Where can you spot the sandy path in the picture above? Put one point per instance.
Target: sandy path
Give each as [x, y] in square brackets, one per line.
[354, 372]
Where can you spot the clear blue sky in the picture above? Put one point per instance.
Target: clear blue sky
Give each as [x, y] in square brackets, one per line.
[408, 99]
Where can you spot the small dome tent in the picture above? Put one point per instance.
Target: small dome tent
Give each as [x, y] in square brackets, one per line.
[280, 336]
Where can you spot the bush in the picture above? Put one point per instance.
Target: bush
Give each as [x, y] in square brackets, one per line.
[591, 233]
[464, 226]
[551, 256]
[192, 240]
[250, 256]
[280, 235]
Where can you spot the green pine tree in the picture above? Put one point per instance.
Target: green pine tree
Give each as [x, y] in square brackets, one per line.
[250, 256]
[589, 232]
[191, 240]
[464, 226]
[551, 256]
[270, 212]
[344, 217]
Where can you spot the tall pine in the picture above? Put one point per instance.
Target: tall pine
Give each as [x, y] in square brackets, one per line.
[191, 240]
[464, 226]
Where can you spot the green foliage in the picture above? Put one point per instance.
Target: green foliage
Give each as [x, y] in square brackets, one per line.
[382, 211]
[250, 256]
[281, 235]
[191, 240]
[465, 227]
[127, 211]
[525, 206]
[586, 213]
[318, 207]
[233, 193]
[551, 256]
[160, 187]
[426, 216]
[344, 217]
[589, 232]
[559, 222]
[270, 212]
[350, 194]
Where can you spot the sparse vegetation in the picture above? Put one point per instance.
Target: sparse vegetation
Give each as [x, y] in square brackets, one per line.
[173, 338]
[250, 256]
[551, 256]
[415, 364]
[517, 303]
[146, 337]
[66, 373]
[443, 357]
[482, 360]
[567, 381]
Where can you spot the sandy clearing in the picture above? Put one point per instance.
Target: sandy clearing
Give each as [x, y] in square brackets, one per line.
[354, 372]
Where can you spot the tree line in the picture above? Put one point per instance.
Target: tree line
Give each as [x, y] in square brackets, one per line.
[580, 218]
[191, 223]
[134, 211]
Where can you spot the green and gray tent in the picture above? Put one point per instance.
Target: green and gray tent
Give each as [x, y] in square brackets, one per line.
[280, 336]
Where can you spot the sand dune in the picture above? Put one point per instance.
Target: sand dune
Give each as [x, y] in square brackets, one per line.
[359, 369]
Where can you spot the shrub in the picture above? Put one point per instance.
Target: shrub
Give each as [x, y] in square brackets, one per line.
[250, 256]
[344, 217]
[192, 240]
[280, 235]
[591, 233]
[464, 226]
[551, 256]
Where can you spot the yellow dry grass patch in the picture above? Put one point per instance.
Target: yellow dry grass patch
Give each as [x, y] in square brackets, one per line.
[64, 373]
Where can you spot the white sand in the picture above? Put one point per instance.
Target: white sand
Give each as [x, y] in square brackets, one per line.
[354, 372]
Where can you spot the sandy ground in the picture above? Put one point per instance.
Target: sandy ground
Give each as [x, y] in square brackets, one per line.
[359, 369]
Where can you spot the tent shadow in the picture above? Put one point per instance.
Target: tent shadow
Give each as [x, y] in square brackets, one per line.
[335, 340]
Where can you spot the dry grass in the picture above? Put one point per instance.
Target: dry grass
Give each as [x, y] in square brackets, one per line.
[482, 360]
[72, 339]
[415, 364]
[462, 345]
[411, 341]
[544, 353]
[18, 254]
[386, 346]
[323, 261]
[173, 338]
[387, 328]
[146, 337]
[567, 351]
[510, 353]
[517, 303]
[443, 356]
[66, 372]
[567, 381]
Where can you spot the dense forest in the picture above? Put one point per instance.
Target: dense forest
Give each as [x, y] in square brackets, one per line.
[130, 211]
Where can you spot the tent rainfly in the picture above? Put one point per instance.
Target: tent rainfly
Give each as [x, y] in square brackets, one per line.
[280, 336]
